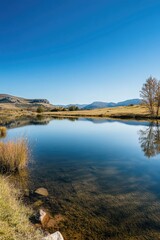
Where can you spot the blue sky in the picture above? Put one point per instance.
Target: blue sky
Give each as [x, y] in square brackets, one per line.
[78, 51]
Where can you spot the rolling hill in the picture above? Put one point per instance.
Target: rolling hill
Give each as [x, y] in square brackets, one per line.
[9, 101]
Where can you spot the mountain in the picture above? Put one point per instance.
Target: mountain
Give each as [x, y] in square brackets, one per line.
[97, 104]
[9, 100]
[135, 101]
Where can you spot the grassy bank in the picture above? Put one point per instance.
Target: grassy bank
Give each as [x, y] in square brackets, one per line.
[14, 216]
[130, 112]
[17, 117]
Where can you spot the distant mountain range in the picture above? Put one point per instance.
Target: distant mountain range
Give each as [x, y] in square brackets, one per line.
[97, 104]
[12, 101]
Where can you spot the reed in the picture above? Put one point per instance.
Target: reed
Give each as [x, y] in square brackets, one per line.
[14, 155]
[3, 131]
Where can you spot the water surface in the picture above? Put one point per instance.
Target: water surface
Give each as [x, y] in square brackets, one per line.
[102, 176]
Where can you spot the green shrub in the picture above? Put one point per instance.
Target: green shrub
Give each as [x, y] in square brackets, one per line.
[73, 108]
[40, 109]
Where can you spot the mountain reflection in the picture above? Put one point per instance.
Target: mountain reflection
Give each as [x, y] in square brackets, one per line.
[150, 140]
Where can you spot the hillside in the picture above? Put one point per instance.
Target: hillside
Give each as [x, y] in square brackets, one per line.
[128, 102]
[9, 101]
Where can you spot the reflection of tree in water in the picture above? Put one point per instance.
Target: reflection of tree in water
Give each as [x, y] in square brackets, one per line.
[150, 140]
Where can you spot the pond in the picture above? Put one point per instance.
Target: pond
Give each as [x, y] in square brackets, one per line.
[103, 176]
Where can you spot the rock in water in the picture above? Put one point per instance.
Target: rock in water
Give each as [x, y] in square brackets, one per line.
[42, 191]
[49, 222]
[38, 203]
[55, 236]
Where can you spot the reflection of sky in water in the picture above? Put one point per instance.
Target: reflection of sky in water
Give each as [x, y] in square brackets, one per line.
[98, 174]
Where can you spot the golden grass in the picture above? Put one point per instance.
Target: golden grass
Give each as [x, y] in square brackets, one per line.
[125, 111]
[130, 112]
[3, 131]
[13, 155]
[14, 223]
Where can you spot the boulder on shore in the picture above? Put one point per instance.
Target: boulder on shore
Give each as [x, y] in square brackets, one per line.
[55, 236]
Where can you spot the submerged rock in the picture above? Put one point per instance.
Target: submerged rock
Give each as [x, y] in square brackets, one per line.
[26, 193]
[42, 191]
[48, 222]
[55, 236]
[38, 203]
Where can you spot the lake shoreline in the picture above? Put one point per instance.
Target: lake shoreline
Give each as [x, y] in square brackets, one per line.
[21, 117]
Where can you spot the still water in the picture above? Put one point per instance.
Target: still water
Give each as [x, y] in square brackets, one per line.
[103, 176]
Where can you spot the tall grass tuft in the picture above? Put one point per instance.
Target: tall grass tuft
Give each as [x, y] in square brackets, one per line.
[14, 155]
[3, 131]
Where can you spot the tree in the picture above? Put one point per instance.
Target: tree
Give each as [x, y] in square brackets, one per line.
[158, 98]
[73, 108]
[150, 95]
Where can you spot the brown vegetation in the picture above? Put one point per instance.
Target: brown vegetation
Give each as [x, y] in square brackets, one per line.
[127, 112]
[3, 131]
[11, 116]
[13, 155]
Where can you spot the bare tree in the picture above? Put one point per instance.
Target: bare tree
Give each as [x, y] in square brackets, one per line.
[157, 99]
[149, 94]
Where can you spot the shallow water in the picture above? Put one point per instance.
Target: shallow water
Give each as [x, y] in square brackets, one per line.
[103, 176]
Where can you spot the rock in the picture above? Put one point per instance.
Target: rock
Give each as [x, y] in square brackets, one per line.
[39, 101]
[42, 191]
[55, 236]
[26, 193]
[49, 222]
[44, 217]
[38, 203]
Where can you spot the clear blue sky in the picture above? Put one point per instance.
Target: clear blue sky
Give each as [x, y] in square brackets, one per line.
[78, 51]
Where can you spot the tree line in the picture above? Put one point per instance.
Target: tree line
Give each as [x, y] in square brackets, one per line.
[150, 94]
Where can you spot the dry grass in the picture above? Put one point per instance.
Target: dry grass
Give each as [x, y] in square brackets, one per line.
[3, 131]
[8, 115]
[125, 111]
[13, 155]
[14, 223]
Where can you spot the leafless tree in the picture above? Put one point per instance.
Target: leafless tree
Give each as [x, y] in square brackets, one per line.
[150, 95]
[157, 100]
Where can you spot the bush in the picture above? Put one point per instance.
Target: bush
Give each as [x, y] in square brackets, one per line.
[13, 155]
[73, 108]
[55, 110]
[40, 109]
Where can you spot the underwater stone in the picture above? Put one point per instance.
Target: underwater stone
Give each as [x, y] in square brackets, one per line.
[55, 236]
[42, 191]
